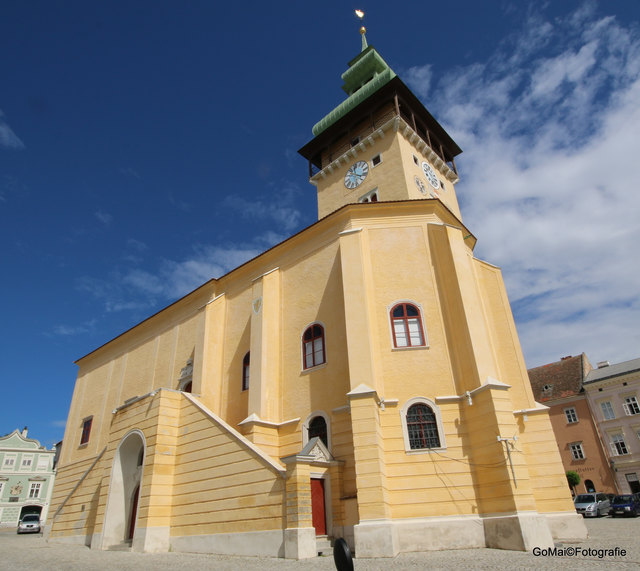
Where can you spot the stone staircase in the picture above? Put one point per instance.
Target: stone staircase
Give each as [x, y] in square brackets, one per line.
[324, 545]
[122, 546]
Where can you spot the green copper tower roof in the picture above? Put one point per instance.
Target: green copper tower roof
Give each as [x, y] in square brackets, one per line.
[367, 73]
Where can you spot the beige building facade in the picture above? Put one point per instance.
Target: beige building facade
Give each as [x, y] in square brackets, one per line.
[362, 379]
[560, 386]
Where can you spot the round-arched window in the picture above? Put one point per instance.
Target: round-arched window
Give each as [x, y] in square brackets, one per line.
[318, 427]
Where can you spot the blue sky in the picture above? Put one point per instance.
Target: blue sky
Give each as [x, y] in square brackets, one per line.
[117, 197]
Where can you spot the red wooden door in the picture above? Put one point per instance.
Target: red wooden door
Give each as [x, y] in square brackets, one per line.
[317, 506]
[134, 511]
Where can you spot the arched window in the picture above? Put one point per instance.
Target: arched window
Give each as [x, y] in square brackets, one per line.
[588, 484]
[313, 346]
[318, 427]
[422, 425]
[246, 362]
[406, 325]
[422, 428]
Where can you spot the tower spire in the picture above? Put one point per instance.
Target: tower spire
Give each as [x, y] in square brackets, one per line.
[363, 30]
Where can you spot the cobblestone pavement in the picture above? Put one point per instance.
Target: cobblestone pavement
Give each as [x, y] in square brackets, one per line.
[33, 553]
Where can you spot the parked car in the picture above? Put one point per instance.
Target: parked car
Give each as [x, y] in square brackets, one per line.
[592, 505]
[29, 523]
[626, 504]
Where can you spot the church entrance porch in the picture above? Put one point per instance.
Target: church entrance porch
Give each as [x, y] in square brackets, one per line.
[122, 503]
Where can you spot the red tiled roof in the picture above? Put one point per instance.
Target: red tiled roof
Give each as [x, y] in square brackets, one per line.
[558, 380]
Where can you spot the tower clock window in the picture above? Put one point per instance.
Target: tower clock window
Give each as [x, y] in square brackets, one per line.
[375, 161]
[371, 196]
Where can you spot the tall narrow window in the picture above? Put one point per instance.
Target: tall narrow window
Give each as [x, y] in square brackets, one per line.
[313, 346]
[571, 414]
[34, 490]
[631, 406]
[318, 427]
[607, 410]
[422, 427]
[246, 362]
[86, 430]
[407, 326]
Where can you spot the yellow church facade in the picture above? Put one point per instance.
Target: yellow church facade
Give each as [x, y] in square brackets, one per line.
[362, 379]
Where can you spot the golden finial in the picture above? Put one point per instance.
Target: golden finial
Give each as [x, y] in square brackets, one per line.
[363, 30]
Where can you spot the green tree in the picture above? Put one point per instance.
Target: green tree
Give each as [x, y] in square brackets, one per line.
[573, 478]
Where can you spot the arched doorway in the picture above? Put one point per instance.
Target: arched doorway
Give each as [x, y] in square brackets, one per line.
[30, 509]
[124, 490]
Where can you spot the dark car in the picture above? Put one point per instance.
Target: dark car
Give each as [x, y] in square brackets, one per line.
[29, 523]
[626, 504]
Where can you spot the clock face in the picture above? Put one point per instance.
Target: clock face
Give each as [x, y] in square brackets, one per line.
[356, 174]
[421, 186]
[431, 175]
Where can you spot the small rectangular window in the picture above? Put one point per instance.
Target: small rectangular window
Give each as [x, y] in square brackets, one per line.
[86, 430]
[607, 410]
[34, 490]
[415, 160]
[618, 445]
[375, 161]
[571, 415]
[9, 462]
[577, 452]
[26, 462]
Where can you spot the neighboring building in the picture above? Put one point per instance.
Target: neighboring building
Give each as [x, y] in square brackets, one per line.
[559, 386]
[613, 392]
[26, 478]
[362, 379]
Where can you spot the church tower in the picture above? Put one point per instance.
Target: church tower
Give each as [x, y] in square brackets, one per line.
[362, 379]
[380, 144]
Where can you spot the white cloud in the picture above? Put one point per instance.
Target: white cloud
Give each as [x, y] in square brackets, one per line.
[279, 208]
[8, 138]
[549, 176]
[138, 290]
[69, 330]
[104, 217]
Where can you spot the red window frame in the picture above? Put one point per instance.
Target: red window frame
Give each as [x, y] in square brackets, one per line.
[404, 319]
[246, 365]
[86, 430]
[312, 334]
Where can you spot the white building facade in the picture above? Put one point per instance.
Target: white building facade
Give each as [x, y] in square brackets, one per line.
[26, 478]
[613, 392]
